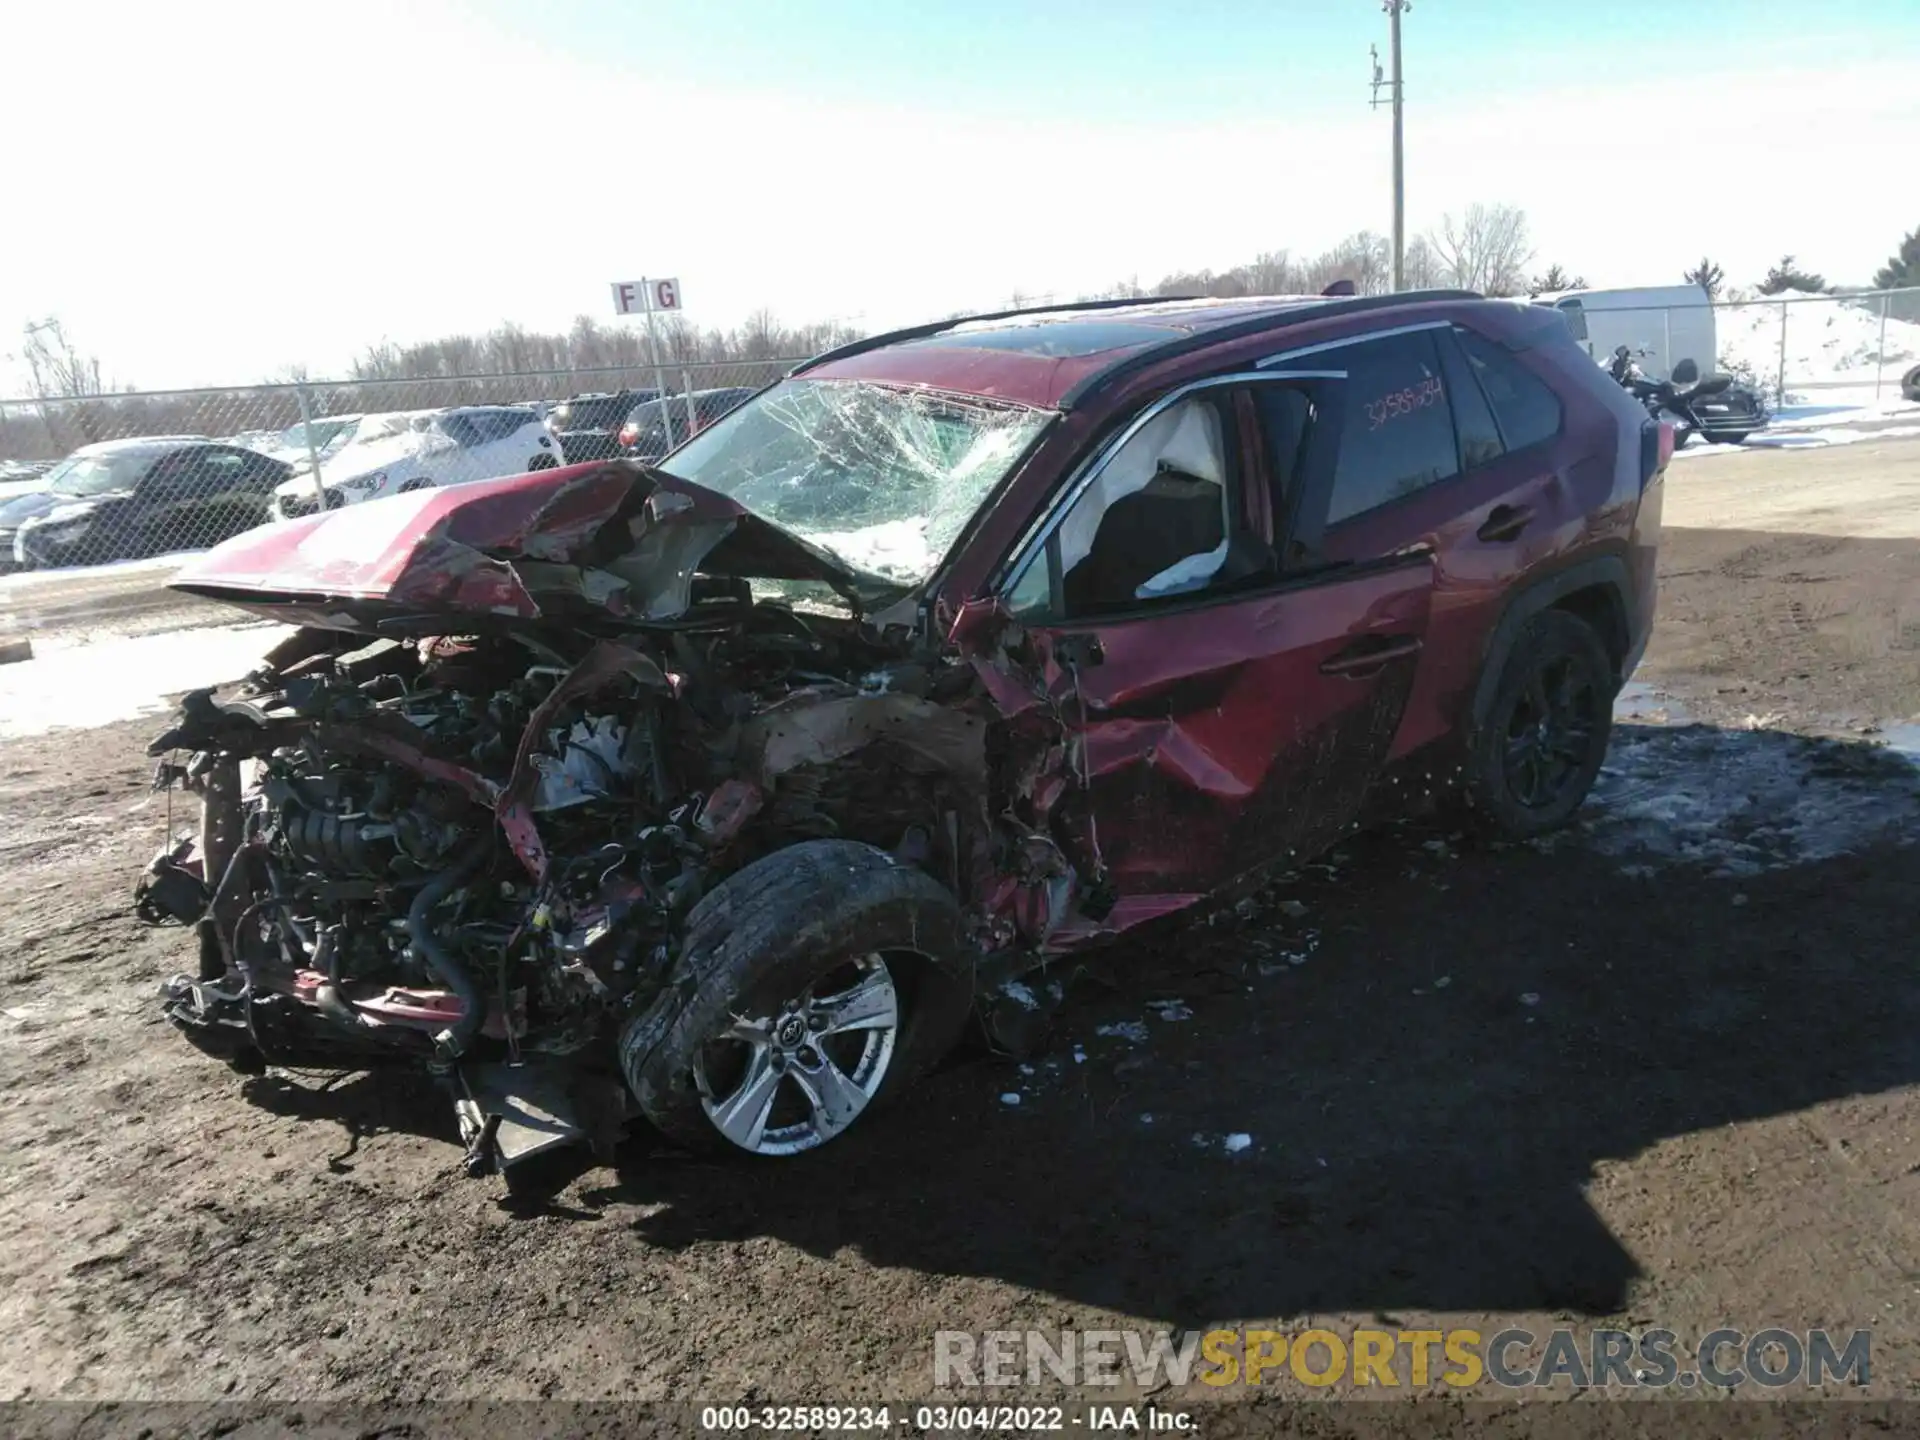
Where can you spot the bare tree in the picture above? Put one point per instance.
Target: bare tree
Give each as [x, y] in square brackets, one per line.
[1272, 273]
[1422, 266]
[59, 370]
[1362, 258]
[1485, 249]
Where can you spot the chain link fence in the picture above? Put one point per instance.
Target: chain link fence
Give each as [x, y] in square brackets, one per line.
[1797, 350]
[139, 475]
[142, 475]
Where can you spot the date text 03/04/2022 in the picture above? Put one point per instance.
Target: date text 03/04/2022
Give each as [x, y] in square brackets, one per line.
[939, 1419]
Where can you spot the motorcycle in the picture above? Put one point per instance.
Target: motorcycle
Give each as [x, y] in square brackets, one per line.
[1718, 408]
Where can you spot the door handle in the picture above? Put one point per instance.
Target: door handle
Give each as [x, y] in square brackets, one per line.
[1505, 522]
[1364, 657]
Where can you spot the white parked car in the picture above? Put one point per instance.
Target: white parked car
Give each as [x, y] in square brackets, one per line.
[416, 449]
[328, 434]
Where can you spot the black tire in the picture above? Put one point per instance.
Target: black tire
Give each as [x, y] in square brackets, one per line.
[768, 933]
[1523, 780]
[419, 482]
[542, 462]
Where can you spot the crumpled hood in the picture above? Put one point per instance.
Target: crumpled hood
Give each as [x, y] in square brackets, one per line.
[611, 537]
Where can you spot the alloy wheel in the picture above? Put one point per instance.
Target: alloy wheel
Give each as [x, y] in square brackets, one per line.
[793, 1078]
[1550, 732]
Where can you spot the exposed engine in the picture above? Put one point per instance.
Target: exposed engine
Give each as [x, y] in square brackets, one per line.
[477, 851]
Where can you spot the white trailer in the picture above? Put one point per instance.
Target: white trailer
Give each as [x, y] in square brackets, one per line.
[1670, 323]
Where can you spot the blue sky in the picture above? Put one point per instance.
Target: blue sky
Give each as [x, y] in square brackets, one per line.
[1133, 60]
[266, 185]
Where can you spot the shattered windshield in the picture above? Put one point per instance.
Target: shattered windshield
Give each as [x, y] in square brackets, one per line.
[885, 478]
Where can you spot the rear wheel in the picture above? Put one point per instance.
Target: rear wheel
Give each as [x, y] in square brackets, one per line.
[419, 482]
[814, 986]
[1533, 757]
[542, 462]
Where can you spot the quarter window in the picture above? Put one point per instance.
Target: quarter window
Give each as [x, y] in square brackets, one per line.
[1398, 435]
[1480, 442]
[1523, 403]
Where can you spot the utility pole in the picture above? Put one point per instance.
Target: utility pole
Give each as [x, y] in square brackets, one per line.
[1394, 9]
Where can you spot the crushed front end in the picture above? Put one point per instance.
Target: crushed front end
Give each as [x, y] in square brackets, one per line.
[460, 816]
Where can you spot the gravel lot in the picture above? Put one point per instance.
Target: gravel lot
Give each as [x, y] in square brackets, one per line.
[1661, 1071]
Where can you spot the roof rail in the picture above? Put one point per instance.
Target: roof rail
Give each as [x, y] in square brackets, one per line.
[1298, 314]
[936, 327]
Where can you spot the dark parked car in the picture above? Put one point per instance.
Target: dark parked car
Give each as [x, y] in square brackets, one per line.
[588, 426]
[645, 436]
[123, 499]
[961, 650]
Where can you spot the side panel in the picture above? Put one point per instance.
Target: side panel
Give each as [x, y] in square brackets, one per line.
[1567, 489]
[1214, 738]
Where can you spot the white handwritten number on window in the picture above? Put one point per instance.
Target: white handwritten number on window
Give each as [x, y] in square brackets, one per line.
[1398, 403]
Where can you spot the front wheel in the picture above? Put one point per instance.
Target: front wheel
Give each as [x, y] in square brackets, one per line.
[1533, 757]
[813, 986]
[542, 462]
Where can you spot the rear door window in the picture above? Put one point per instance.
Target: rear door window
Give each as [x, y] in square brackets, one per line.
[1524, 404]
[1480, 442]
[1397, 438]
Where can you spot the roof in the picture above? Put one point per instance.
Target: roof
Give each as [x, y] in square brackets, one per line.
[1053, 357]
[133, 444]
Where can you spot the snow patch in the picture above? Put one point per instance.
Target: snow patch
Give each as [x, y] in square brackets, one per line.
[1745, 801]
[1233, 1144]
[84, 686]
[1830, 343]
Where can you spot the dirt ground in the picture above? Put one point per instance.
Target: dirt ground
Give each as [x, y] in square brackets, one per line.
[1790, 584]
[1592, 1082]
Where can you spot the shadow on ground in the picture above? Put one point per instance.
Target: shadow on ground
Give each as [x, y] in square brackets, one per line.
[1467, 1032]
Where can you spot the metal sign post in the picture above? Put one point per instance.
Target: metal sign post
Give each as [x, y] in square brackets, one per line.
[313, 452]
[651, 296]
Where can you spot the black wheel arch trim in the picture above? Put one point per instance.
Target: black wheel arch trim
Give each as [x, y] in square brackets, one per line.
[1598, 572]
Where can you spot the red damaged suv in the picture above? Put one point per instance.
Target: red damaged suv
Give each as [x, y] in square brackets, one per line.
[719, 791]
